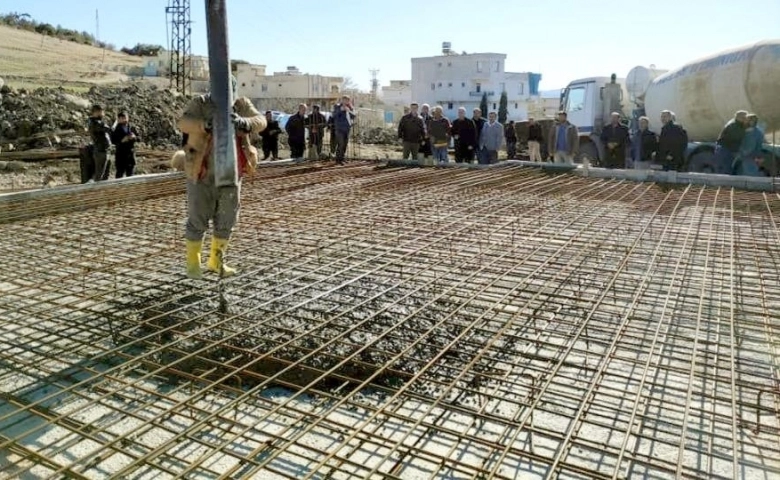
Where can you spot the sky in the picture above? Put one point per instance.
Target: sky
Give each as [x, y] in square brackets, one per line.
[561, 39]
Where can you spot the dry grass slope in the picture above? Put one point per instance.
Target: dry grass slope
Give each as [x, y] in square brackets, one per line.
[29, 60]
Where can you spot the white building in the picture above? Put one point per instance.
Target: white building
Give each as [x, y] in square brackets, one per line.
[460, 80]
[398, 93]
[252, 82]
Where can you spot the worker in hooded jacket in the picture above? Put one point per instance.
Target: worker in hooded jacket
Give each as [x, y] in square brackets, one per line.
[205, 201]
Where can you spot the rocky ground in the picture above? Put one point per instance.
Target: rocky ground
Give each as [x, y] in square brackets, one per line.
[55, 117]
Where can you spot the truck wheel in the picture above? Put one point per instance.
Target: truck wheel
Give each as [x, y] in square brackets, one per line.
[589, 152]
[702, 162]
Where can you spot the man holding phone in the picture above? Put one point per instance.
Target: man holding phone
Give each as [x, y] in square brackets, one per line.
[343, 116]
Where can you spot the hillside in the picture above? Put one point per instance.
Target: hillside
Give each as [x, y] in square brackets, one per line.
[28, 59]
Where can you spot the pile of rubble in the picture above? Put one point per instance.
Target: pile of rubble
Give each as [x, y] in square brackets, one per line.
[38, 118]
[378, 136]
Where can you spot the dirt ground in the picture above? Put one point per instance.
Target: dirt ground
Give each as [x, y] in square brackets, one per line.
[20, 176]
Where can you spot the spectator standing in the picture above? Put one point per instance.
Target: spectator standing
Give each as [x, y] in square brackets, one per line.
[425, 146]
[100, 132]
[464, 131]
[124, 138]
[411, 131]
[750, 151]
[534, 140]
[296, 133]
[343, 116]
[316, 123]
[491, 138]
[615, 138]
[729, 143]
[644, 146]
[439, 134]
[270, 137]
[479, 122]
[510, 135]
[563, 140]
[672, 143]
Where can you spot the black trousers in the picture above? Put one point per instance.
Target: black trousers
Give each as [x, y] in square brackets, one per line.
[615, 158]
[270, 148]
[463, 154]
[342, 140]
[297, 147]
[125, 164]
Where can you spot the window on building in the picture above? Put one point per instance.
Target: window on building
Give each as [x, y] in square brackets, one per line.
[522, 88]
[280, 85]
[433, 86]
[439, 64]
[479, 87]
[449, 64]
[439, 85]
[498, 66]
[479, 66]
[264, 87]
[494, 106]
[463, 84]
[243, 84]
[515, 106]
[449, 106]
[449, 84]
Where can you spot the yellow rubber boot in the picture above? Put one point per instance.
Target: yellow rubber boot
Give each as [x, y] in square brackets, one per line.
[215, 264]
[194, 248]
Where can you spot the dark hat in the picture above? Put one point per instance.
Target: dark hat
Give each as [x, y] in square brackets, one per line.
[267, 112]
[96, 107]
[316, 106]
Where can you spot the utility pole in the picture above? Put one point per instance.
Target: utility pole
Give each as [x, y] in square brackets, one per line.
[374, 85]
[180, 49]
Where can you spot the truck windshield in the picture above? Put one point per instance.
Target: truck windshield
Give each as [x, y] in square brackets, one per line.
[575, 101]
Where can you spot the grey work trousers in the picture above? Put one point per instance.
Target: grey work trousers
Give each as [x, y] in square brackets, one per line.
[411, 149]
[207, 202]
[102, 165]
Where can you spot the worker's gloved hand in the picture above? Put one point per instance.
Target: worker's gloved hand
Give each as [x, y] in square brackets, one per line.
[240, 123]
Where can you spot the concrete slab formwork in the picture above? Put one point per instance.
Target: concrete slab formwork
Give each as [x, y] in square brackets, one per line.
[396, 323]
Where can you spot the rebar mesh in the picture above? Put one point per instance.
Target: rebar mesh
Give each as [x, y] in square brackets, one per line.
[399, 323]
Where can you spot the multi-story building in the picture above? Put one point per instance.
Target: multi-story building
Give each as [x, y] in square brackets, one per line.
[398, 93]
[289, 86]
[455, 80]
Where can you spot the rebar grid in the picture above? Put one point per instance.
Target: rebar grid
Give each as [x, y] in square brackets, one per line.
[399, 323]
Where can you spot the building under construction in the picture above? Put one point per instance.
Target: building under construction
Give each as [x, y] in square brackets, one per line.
[400, 323]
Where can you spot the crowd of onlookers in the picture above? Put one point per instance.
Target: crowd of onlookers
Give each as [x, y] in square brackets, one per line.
[338, 123]
[426, 132]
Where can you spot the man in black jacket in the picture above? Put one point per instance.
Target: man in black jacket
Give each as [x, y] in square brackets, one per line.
[100, 132]
[316, 123]
[729, 141]
[535, 140]
[644, 146]
[124, 137]
[270, 137]
[510, 136]
[465, 133]
[615, 138]
[479, 122]
[672, 144]
[411, 131]
[296, 133]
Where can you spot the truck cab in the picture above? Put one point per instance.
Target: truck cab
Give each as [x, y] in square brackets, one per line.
[587, 106]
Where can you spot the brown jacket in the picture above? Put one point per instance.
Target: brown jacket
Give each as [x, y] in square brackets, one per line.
[193, 122]
[572, 139]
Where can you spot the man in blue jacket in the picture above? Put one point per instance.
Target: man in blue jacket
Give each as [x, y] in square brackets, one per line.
[343, 116]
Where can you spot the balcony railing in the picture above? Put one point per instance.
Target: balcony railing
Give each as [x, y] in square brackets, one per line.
[479, 94]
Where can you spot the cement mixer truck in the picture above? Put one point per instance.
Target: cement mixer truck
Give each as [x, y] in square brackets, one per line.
[703, 94]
